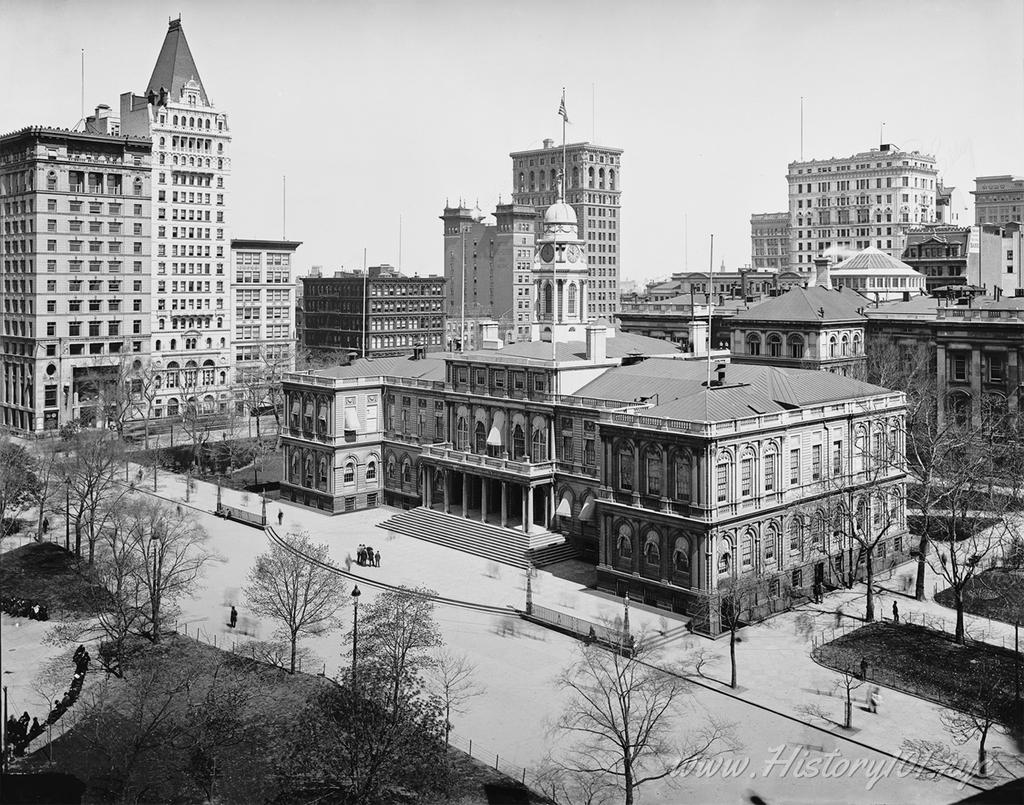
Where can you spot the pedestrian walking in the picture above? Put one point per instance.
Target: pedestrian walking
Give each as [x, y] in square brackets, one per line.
[376, 559]
[875, 699]
[46, 524]
[280, 517]
[361, 556]
[839, 617]
[369, 556]
[234, 617]
[895, 612]
[178, 509]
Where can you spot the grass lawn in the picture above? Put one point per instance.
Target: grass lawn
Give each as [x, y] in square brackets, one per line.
[45, 572]
[921, 661]
[243, 737]
[997, 594]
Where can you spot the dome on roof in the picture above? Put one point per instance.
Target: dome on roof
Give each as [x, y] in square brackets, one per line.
[872, 259]
[560, 213]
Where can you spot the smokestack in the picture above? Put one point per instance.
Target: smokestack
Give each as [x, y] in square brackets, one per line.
[822, 277]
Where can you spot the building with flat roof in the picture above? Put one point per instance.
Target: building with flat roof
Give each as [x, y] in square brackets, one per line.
[845, 204]
[769, 241]
[487, 271]
[379, 313]
[593, 186]
[939, 252]
[75, 262]
[998, 199]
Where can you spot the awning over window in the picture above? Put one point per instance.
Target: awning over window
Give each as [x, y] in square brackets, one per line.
[494, 437]
[351, 420]
[564, 507]
[587, 512]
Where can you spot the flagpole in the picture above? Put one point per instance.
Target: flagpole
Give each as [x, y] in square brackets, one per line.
[711, 276]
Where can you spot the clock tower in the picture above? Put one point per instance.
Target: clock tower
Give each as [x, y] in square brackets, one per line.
[559, 277]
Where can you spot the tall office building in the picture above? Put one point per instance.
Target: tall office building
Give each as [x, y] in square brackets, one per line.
[192, 289]
[487, 271]
[74, 257]
[998, 199]
[845, 204]
[594, 189]
[769, 241]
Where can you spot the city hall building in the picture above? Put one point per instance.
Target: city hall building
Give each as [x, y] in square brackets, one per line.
[613, 447]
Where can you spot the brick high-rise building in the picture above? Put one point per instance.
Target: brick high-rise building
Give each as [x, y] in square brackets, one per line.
[594, 189]
[74, 257]
[846, 204]
[496, 260]
[192, 288]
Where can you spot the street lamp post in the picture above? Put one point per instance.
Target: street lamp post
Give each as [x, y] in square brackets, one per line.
[155, 592]
[529, 589]
[355, 633]
[625, 616]
[67, 518]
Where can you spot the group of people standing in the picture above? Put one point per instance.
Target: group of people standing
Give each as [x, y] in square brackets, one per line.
[367, 557]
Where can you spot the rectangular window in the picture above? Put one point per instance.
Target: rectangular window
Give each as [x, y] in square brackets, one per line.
[794, 467]
[816, 462]
[589, 454]
[837, 458]
[769, 472]
[746, 477]
[723, 483]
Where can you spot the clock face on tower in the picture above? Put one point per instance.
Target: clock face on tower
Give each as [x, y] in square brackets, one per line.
[547, 253]
[574, 254]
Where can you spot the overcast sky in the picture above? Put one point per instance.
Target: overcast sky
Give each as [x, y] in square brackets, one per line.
[376, 110]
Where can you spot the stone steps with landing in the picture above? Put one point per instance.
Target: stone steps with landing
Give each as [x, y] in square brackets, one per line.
[491, 542]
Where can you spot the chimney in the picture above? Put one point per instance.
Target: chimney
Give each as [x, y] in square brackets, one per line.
[597, 342]
[720, 373]
[822, 277]
[548, 142]
[488, 335]
[697, 331]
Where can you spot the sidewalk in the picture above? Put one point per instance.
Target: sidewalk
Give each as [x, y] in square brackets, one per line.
[775, 670]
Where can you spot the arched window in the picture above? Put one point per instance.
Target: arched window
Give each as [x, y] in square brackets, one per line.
[371, 470]
[748, 549]
[958, 407]
[462, 433]
[857, 345]
[522, 182]
[480, 438]
[722, 482]
[548, 303]
[653, 470]
[296, 467]
[832, 346]
[590, 178]
[172, 404]
[518, 442]
[350, 472]
[724, 562]
[753, 344]
[771, 545]
[321, 476]
[796, 346]
[406, 472]
[625, 541]
[391, 468]
[683, 477]
[681, 555]
[533, 181]
[540, 445]
[611, 178]
[845, 346]
[652, 551]
[572, 297]
[575, 176]
[543, 181]
[796, 534]
[600, 179]
[626, 467]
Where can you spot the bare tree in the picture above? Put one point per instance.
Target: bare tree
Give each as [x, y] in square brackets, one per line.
[296, 591]
[19, 483]
[624, 711]
[984, 705]
[90, 471]
[564, 787]
[195, 421]
[452, 680]
[173, 548]
[740, 601]
[145, 386]
[397, 634]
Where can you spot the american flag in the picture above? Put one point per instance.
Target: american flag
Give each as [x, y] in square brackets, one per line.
[561, 108]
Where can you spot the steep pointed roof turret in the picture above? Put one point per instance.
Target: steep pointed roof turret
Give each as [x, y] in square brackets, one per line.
[175, 66]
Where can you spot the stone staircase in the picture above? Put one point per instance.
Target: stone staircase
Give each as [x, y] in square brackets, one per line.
[491, 542]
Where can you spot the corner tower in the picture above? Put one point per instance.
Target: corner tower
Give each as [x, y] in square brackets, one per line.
[559, 277]
[191, 287]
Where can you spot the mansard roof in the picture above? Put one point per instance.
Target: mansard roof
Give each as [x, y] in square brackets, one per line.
[817, 305]
[175, 66]
[749, 390]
